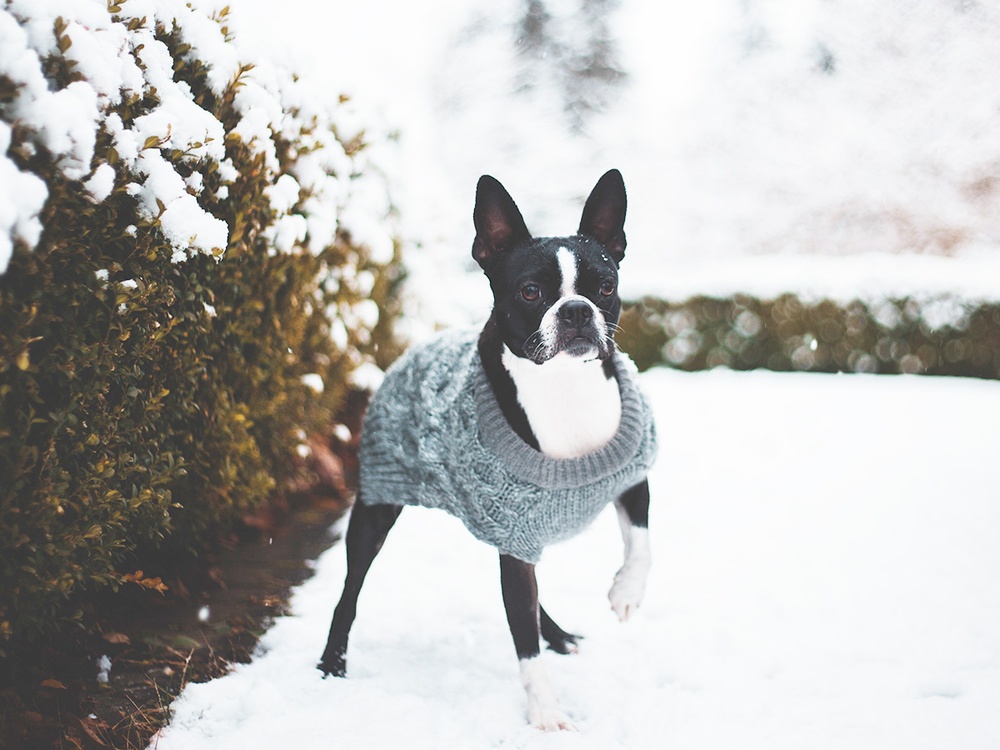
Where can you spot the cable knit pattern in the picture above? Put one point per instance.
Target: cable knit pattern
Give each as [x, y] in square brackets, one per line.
[435, 436]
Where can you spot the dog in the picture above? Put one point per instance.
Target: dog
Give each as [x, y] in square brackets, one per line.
[525, 430]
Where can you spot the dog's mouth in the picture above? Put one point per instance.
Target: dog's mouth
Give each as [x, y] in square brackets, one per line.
[587, 344]
[582, 346]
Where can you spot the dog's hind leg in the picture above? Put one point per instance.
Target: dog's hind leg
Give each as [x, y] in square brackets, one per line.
[558, 639]
[630, 581]
[520, 599]
[366, 531]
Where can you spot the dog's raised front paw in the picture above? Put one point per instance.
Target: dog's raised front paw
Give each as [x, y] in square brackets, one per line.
[628, 589]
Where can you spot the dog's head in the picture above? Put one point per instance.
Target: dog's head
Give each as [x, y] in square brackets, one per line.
[553, 295]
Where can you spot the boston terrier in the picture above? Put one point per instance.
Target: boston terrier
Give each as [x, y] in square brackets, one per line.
[524, 430]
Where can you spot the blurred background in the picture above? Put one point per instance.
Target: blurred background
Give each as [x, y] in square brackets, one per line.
[832, 150]
[813, 186]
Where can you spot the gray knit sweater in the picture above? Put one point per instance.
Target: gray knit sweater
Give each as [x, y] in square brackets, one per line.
[434, 436]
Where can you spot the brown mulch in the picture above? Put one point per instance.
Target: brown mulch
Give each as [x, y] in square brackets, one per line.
[210, 617]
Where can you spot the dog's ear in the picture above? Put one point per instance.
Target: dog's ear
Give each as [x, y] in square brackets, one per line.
[604, 214]
[499, 225]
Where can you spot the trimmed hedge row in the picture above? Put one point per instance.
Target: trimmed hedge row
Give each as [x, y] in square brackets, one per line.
[154, 389]
[935, 336]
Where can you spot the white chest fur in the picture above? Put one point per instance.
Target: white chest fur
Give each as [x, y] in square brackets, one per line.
[572, 407]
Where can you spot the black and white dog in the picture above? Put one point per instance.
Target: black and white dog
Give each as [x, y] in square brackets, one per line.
[549, 359]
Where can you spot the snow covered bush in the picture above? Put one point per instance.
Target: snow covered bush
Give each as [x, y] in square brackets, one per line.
[935, 335]
[194, 261]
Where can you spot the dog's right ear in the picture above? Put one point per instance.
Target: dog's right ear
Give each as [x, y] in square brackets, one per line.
[499, 224]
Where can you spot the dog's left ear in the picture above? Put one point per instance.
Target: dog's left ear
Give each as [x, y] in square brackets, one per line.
[604, 214]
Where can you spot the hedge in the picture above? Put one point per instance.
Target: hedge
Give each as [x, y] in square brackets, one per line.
[185, 300]
[933, 335]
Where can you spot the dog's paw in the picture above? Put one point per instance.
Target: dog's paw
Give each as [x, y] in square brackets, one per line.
[570, 644]
[549, 718]
[553, 721]
[628, 589]
[543, 706]
[333, 665]
[558, 639]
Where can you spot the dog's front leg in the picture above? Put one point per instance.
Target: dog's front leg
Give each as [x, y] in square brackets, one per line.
[520, 599]
[630, 582]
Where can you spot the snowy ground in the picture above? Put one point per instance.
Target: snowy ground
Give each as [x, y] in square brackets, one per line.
[825, 576]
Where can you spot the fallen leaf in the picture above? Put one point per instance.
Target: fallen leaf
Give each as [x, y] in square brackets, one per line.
[94, 729]
[54, 684]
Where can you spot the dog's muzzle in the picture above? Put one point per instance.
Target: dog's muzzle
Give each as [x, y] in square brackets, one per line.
[575, 327]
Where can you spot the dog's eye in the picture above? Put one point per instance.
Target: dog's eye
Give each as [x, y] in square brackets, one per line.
[530, 292]
[607, 288]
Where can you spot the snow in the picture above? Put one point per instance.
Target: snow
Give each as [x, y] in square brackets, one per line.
[103, 668]
[118, 55]
[22, 197]
[163, 194]
[828, 148]
[870, 277]
[824, 576]
[101, 183]
[313, 380]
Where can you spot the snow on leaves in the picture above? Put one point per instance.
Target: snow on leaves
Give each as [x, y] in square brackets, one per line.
[77, 74]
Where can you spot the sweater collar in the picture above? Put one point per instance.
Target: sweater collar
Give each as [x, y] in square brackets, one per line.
[530, 465]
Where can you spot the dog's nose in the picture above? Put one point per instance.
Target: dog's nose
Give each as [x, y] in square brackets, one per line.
[576, 313]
